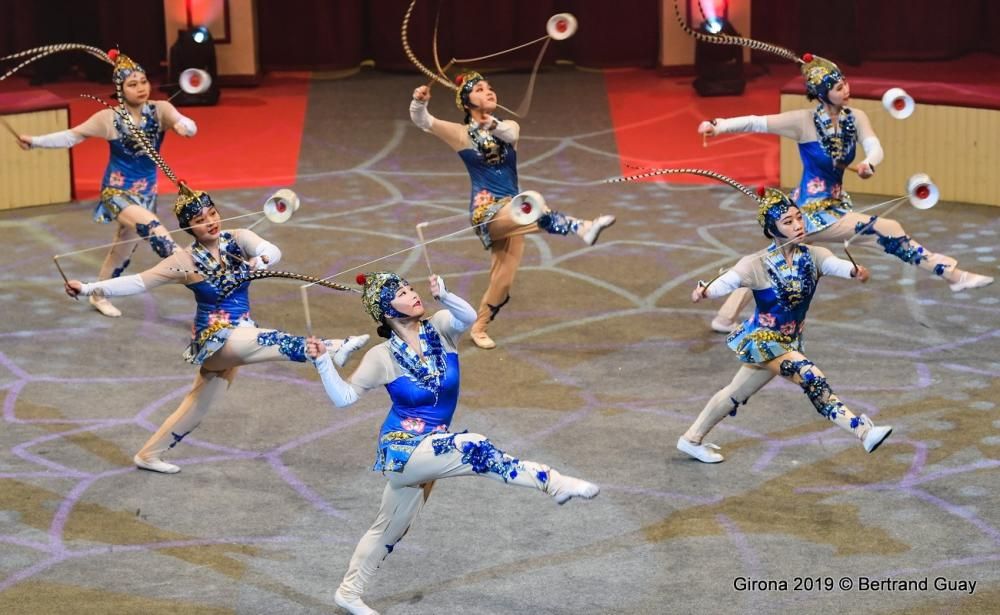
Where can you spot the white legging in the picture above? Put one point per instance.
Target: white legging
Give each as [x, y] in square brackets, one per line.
[749, 379]
[405, 493]
[843, 229]
[214, 377]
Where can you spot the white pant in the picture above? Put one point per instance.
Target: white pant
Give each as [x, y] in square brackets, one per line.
[406, 492]
[214, 377]
[749, 379]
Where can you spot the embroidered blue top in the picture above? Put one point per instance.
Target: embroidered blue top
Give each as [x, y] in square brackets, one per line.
[214, 320]
[423, 387]
[130, 176]
[782, 291]
[499, 177]
[820, 194]
[826, 151]
[129, 169]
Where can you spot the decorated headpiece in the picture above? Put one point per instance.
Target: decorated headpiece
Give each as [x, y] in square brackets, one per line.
[466, 82]
[379, 291]
[820, 74]
[772, 205]
[190, 204]
[124, 66]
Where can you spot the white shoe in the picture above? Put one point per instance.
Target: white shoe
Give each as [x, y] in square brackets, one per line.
[875, 437]
[483, 340]
[155, 465]
[721, 325]
[102, 305]
[564, 488]
[704, 452]
[347, 348]
[596, 226]
[355, 606]
[970, 280]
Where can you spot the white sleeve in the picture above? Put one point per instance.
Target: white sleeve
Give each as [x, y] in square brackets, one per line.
[256, 246]
[873, 151]
[462, 314]
[116, 287]
[190, 128]
[340, 392]
[61, 139]
[268, 249]
[745, 123]
[829, 264]
[724, 284]
[507, 130]
[420, 116]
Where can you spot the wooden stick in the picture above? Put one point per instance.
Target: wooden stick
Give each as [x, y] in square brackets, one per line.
[851, 258]
[305, 306]
[423, 246]
[55, 259]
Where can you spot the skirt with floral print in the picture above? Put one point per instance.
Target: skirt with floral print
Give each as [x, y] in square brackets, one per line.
[211, 339]
[754, 344]
[114, 200]
[485, 213]
[396, 447]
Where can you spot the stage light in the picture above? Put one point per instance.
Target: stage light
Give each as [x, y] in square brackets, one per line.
[193, 69]
[201, 34]
[719, 68]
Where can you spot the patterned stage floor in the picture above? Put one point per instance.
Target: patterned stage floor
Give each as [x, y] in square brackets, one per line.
[602, 364]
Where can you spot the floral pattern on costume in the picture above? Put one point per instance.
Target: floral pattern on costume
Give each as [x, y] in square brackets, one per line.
[838, 143]
[427, 368]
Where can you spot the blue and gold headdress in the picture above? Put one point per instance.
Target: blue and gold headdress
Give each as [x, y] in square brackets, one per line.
[379, 291]
[124, 67]
[466, 82]
[190, 204]
[772, 205]
[820, 75]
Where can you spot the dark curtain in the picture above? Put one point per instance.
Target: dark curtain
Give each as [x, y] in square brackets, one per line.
[135, 26]
[342, 34]
[851, 31]
[311, 34]
[327, 35]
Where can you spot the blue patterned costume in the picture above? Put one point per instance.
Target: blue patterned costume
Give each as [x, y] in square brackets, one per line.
[415, 447]
[492, 166]
[820, 194]
[130, 177]
[776, 325]
[214, 320]
[423, 399]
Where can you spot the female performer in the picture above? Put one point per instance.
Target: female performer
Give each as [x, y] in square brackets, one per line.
[488, 147]
[224, 336]
[782, 281]
[418, 365]
[128, 189]
[828, 137]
